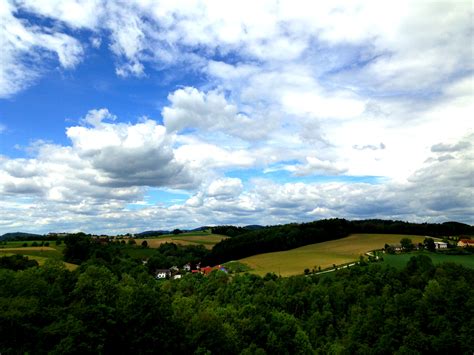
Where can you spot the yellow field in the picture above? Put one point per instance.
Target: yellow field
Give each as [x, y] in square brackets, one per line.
[208, 240]
[340, 251]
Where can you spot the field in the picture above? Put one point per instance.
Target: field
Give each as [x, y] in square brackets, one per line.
[40, 254]
[326, 254]
[400, 260]
[192, 238]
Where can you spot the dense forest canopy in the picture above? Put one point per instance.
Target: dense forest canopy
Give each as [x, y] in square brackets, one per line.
[115, 306]
[112, 303]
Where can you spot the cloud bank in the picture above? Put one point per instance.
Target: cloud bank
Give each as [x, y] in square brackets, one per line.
[302, 111]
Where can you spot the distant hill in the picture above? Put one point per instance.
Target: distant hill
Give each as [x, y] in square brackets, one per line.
[233, 231]
[245, 242]
[151, 233]
[198, 229]
[20, 235]
[252, 227]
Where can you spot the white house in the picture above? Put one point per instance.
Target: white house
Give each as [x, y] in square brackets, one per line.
[441, 245]
[162, 273]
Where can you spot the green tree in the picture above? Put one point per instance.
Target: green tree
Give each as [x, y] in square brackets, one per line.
[407, 244]
[78, 248]
[429, 244]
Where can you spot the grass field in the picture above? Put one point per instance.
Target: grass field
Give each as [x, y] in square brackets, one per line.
[400, 260]
[192, 238]
[340, 251]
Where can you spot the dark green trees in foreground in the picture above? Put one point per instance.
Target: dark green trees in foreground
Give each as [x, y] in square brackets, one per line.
[117, 307]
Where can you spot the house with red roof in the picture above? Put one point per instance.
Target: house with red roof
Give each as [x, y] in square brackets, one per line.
[464, 243]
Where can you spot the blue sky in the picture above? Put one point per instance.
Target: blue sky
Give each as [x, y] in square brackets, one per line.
[117, 117]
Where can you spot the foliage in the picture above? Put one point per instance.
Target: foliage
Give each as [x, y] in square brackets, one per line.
[16, 262]
[407, 244]
[236, 267]
[429, 244]
[116, 307]
[231, 231]
[78, 248]
[170, 254]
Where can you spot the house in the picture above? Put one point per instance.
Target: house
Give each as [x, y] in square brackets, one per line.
[392, 248]
[177, 276]
[162, 273]
[441, 245]
[187, 267]
[206, 270]
[464, 243]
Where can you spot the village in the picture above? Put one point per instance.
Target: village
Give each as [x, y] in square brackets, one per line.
[176, 273]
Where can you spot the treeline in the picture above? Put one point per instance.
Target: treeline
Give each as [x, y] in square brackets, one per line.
[399, 227]
[117, 307]
[284, 237]
[232, 231]
[278, 238]
[19, 236]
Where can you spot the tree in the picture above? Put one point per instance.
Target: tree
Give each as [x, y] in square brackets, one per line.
[407, 244]
[429, 244]
[17, 262]
[78, 248]
[177, 231]
[389, 249]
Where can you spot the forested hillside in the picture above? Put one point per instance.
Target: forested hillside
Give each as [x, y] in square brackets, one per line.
[112, 307]
[284, 237]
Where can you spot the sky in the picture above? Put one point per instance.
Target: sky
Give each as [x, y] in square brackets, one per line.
[124, 116]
